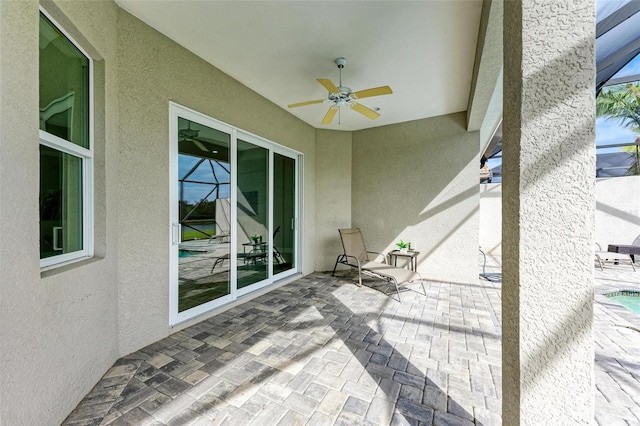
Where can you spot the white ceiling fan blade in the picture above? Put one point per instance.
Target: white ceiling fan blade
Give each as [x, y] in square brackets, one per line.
[369, 113]
[328, 118]
[376, 91]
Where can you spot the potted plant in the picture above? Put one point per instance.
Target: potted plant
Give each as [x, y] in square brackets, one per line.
[256, 238]
[403, 246]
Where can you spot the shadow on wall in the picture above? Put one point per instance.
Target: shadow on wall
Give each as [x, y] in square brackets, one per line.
[417, 181]
[617, 212]
[492, 190]
[548, 358]
[553, 157]
[541, 356]
[490, 228]
[617, 220]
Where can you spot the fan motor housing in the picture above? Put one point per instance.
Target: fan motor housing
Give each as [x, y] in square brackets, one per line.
[342, 98]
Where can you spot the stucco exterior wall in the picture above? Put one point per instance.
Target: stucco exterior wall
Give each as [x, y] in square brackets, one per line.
[485, 100]
[617, 211]
[548, 212]
[617, 217]
[491, 218]
[63, 328]
[59, 328]
[154, 70]
[417, 181]
[333, 194]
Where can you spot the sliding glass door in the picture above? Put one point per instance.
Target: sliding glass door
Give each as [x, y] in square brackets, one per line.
[202, 232]
[284, 214]
[253, 214]
[234, 213]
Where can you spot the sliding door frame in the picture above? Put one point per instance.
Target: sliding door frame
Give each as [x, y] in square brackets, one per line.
[262, 143]
[177, 110]
[297, 157]
[175, 234]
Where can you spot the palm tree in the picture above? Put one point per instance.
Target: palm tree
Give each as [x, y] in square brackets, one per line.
[622, 102]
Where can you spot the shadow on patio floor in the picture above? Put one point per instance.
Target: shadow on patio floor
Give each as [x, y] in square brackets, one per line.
[318, 351]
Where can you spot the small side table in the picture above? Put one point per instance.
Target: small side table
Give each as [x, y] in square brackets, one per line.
[258, 251]
[412, 255]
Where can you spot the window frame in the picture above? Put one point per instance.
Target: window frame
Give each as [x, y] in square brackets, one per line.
[86, 157]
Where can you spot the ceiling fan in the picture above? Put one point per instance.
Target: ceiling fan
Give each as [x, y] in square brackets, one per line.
[343, 96]
[191, 135]
[190, 139]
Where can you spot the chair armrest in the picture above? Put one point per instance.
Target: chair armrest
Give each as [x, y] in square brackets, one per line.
[384, 257]
[356, 263]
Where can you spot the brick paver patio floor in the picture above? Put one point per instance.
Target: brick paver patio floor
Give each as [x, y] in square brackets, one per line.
[323, 351]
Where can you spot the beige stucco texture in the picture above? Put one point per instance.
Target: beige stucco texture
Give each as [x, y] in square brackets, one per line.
[548, 214]
[418, 181]
[333, 194]
[59, 328]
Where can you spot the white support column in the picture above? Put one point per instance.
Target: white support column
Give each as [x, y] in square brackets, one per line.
[548, 211]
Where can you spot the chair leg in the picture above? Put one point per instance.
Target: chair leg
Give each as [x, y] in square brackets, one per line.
[423, 289]
[395, 283]
[336, 265]
[218, 260]
[278, 256]
[632, 265]
[599, 262]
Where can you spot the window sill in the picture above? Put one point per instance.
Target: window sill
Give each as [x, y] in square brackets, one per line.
[58, 268]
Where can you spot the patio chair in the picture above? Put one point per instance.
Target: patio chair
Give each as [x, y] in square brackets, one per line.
[223, 236]
[356, 256]
[219, 261]
[278, 259]
[609, 256]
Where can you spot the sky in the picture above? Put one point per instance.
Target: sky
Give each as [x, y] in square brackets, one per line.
[195, 192]
[610, 131]
[632, 68]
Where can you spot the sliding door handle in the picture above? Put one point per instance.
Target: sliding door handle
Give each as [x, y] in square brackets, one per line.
[176, 233]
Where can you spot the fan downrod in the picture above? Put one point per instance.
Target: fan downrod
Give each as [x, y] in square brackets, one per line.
[344, 91]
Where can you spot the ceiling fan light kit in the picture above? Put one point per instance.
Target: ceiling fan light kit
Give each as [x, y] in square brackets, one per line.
[342, 96]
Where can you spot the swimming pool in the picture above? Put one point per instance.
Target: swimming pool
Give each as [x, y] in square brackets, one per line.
[628, 298]
[186, 253]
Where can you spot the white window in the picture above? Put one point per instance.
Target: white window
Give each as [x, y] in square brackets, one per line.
[66, 151]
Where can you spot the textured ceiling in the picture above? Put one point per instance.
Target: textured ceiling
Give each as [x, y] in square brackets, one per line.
[424, 50]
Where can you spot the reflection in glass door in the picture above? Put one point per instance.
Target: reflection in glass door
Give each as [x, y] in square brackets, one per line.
[234, 209]
[253, 213]
[284, 213]
[204, 207]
